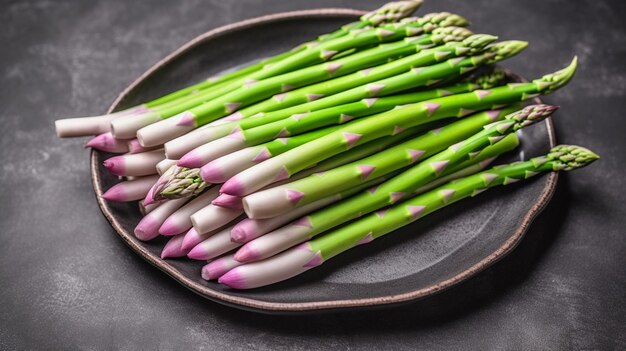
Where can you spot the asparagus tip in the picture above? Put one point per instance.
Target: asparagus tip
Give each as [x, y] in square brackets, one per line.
[182, 182]
[392, 11]
[570, 157]
[506, 49]
[553, 81]
[191, 239]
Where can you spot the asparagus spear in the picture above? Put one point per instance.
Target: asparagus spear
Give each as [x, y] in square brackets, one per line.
[317, 251]
[145, 209]
[181, 181]
[180, 221]
[130, 190]
[308, 121]
[213, 173]
[134, 147]
[106, 142]
[148, 227]
[173, 248]
[221, 265]
[164, 165]
[212, 217]
[392, 191]
[390, 12]
[193, 238]
[220, 242]
[142, 164]
[221, 169]
[220, 103]
[452, 41]
[250, 229]
[214, 246]
[284, 165]
[228, 201]
[274, 201]
[323, 115]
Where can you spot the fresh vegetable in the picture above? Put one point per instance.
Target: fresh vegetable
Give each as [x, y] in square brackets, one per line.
[317, 251]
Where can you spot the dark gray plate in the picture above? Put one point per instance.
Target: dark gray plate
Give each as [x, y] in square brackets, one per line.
[433, 254]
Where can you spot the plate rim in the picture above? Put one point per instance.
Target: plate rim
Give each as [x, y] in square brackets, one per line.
[268, 306]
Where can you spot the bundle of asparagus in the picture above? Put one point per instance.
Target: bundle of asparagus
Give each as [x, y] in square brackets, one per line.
[272, 169]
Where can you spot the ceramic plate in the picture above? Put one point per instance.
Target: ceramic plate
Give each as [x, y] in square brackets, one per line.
[419, 260]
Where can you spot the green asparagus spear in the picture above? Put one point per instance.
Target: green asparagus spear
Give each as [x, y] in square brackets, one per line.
[455, 42]
[291, 162]
[220, 105]
[277, 200]
[314, 53]
[388, 13]
[393, 190]
[301, 123]
[279, 120]
[317, 251]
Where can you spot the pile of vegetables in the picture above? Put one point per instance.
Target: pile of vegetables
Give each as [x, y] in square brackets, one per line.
[275, 168]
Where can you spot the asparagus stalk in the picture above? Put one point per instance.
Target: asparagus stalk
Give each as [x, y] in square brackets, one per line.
[142, 164]
[214, 246]
[317, 251]
[164, 165]
[308, 121]
[453, 41]
[221, 169]
[274, 201]
[223, 264]
[279, 120]
[219, 266]
[148, 227]
[212, 217]
[213, 172]
[165, 177]
[425, 52]
[222, 103]
[390, 12]
[106, 142]
[391, 191]
[284, 165]
[130, 190]
[134, 147]
[82, 126]
[247, 231]
[180, 221]
[145, 209]
[173, 247]
[228, 201]
[193, 238]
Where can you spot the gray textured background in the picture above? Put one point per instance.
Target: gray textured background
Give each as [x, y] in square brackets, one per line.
[67, 280]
